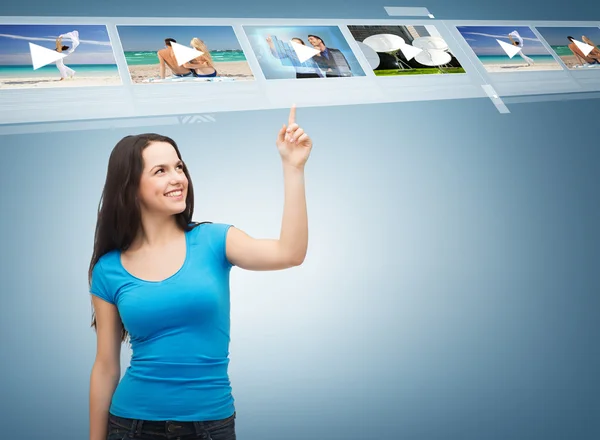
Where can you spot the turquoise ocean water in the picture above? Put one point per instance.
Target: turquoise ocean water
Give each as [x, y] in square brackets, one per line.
[150, 57]
[81, 70]
[493, 59]
[562, 50]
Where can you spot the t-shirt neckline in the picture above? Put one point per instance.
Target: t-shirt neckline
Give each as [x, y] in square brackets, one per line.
[183, 266]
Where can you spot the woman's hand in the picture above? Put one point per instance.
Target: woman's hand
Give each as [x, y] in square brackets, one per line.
[293, 143]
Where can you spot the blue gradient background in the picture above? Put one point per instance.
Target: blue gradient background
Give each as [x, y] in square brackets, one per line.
[451, 288]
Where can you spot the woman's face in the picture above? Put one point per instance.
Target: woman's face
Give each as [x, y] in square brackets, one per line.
[163, 185]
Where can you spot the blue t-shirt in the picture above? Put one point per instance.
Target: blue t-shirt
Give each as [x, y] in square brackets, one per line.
[179, 333]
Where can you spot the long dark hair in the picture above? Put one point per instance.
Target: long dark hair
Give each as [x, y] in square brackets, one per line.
[119, 215]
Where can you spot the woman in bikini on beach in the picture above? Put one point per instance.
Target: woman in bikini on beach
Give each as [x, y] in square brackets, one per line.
[595, 52]
[202, 66]
[580, 56]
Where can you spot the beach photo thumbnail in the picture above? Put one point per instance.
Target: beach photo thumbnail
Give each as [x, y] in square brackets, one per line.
[574, 45]
[490, 44]
[63, 56]
[394, 50]
[154, 54]
[303, 52]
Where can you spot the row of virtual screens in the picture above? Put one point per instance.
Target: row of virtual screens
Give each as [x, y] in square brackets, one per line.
[166, 54]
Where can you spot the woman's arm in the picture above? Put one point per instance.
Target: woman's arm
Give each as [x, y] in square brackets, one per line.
[290, 249]
[106, 370]
[193, 64]
[197, 62]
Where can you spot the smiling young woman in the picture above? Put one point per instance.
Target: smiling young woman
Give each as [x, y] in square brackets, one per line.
[162, 281]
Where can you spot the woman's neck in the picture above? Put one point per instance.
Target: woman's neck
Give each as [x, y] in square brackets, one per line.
[156, 233]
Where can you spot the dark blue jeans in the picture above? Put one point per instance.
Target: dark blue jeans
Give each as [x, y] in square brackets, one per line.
[120, 428]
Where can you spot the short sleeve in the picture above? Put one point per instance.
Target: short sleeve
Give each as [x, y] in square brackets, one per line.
[219, 242]
[99, 285]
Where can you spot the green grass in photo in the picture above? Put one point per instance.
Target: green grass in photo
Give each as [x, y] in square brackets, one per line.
[426, 71]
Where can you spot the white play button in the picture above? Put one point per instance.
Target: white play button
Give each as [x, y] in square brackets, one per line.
[371, 56]
[183, 54]
[510, 50]
[304, 52]
[409, 51]
[585, 48]
[40, 56]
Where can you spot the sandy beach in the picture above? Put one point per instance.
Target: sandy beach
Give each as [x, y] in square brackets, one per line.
[46, 82]
[572, 63]
[493, 68]
[237, 70]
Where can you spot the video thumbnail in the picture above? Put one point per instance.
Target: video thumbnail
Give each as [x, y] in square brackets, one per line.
[574, 45]
[303, 52]
[43, 56]
[405, 50]
[166, 54]
[508, 49]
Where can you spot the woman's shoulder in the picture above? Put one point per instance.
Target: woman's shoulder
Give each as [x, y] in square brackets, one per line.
[205, 226]
[109, 259]
[208, 230]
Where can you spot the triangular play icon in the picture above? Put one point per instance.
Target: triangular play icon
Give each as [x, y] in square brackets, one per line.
[409, 51]
[41, 56]
[510, 50]
[304, 52]
[183, 54]
[585, 48]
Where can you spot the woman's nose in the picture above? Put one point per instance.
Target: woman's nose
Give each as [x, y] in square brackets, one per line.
[177, 177]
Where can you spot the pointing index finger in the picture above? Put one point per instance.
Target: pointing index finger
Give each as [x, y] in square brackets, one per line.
[292, 117]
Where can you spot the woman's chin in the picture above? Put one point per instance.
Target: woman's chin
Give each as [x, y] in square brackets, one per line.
[176, 208]
[180, 209]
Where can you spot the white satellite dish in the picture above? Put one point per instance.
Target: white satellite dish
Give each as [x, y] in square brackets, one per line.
[388, 43]
[427, 43]
[384, 42]
[433, 58]
[370, 55]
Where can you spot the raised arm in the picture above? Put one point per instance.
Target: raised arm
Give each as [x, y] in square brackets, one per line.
[274, 52]
[290, 249]
[59, 44]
